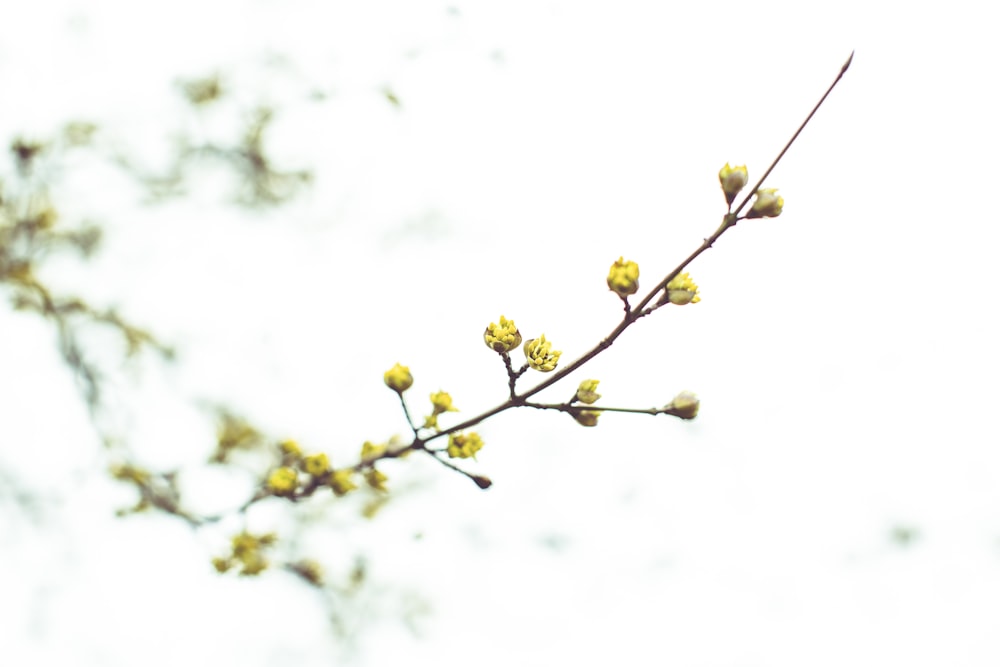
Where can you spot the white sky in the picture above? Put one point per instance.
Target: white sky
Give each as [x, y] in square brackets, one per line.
[844, 352]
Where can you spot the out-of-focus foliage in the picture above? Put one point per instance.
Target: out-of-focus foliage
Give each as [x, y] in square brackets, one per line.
[261, 182]
[32, 229]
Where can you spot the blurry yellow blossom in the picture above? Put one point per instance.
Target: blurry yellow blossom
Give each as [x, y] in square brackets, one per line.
[234, 433]
[398, 378]
[222, 564]
[371, 508]
[291, 449]
[254, 566]
[342, 481]
[316, 464]
[243, 544]
[441, 402]
[463, 446]
[129, 473]
[376, 479]
[370, 451]
[46, 218]
[587, 417]
[248, 551]
[502, 337]
[540, 355]
[283, 480]
[623, 278]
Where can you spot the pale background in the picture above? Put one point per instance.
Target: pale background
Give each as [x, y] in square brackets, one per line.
[844, 352]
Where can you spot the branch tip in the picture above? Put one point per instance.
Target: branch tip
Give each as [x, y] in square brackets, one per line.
[847, 64]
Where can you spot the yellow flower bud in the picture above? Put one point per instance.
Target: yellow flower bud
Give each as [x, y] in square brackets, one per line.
[587, 417]
[370, 451]
[540, 355]
[464, 445]
[247, 553]
[623, 278]
[682, 290]
[502, 337]
[587, 392]
[221, 564]
[768, 204]
[441, 402]
[341, 481]
[685, 405]
[129, 473]
[283, 480]
[376, 479]
[243, 543]
[398, 378]
[291, 449]
[254, 566]
[316, 464]
[732, 179]
[46, 218]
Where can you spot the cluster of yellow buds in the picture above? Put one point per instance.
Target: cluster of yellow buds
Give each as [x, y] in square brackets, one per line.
[247, 553]
[285, 479]
[503, 337]
[464, 445]
[623, 278]
[767, 204]
[682, 290]
[540, 355]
